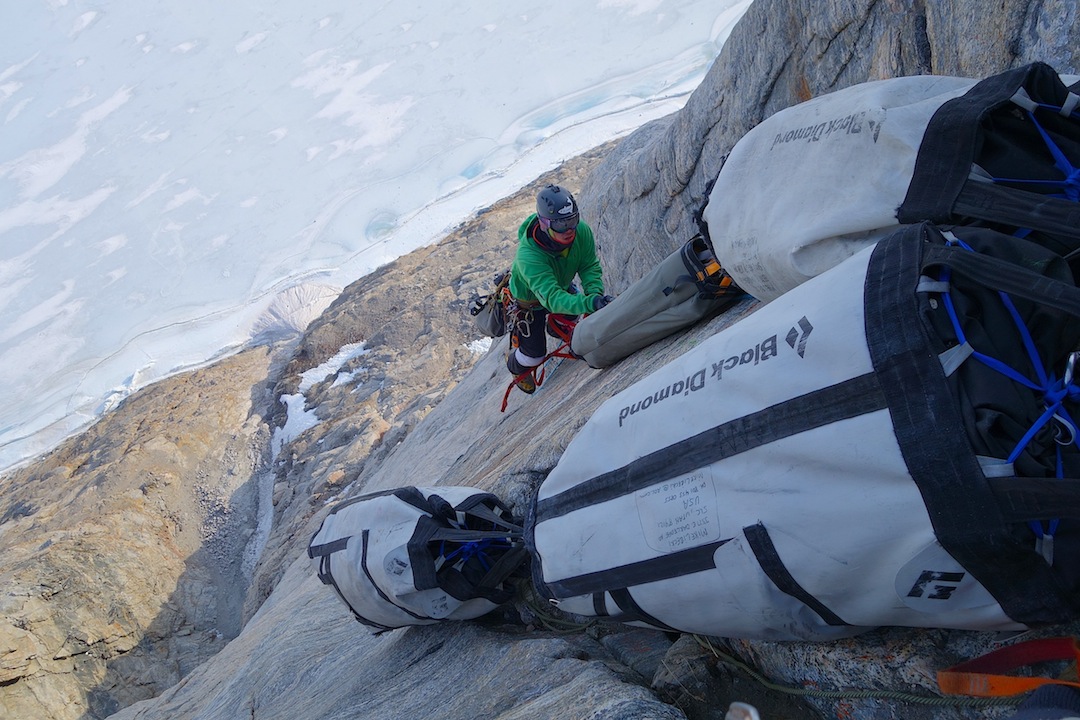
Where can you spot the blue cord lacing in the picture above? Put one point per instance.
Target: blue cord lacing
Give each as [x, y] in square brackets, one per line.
[474, 549]
[1054, 391]
[1069, 187]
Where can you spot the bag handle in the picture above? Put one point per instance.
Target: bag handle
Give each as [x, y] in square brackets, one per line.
[1023, 499]
[1018, 208]
[1006, 277]
[984, 676]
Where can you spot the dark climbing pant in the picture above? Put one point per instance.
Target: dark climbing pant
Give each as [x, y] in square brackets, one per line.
[529, 337]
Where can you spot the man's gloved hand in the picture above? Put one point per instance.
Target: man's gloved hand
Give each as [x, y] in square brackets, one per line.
[600, 301]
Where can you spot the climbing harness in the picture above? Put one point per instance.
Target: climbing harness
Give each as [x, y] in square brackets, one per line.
[560, 327]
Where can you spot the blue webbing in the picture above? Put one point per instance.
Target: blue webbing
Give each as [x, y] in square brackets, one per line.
[1054, 391]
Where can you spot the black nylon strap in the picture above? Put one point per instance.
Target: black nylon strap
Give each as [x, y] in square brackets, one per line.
[463, 536]
[1005, 276]
[663, 567]
[457, 586]
[508, 563]
[1023, 499]
[485, 513]
[423, 564]
[1018, 208]
[847, 399]
[963, 510]
[487, 501]
[384, 596]
[325, 575]
[327, 578]
[329, 548]
[950, 142]
[410, 495]
[441, 508]
[449, 579]
[632, 611]
[771, 564]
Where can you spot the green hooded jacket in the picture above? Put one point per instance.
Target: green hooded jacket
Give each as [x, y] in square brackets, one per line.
[539, 275]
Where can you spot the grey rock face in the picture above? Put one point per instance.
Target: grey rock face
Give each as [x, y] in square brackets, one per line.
[123, 549]
[787, 51]
[127, 550]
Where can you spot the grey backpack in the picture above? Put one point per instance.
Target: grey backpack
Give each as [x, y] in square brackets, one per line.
[688, 286]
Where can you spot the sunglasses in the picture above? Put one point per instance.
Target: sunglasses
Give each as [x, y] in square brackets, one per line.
[559, 225]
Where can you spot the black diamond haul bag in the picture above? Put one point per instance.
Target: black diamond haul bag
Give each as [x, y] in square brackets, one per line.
[818, 181]
[889, 443]
[419, 555]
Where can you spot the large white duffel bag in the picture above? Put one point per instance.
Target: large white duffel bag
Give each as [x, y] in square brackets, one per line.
[416, 556]
[818, 181]
[844, 458]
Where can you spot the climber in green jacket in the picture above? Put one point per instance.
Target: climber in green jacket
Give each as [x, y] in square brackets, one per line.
[554, 245]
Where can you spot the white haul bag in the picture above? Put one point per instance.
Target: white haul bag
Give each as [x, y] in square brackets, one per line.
[687, 287]
[416, 556]
[818, 181]
[839, 460]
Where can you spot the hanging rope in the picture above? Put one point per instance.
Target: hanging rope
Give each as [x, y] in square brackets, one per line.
[856, 694]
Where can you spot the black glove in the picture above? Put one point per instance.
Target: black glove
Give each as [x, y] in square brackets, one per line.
[600, 301]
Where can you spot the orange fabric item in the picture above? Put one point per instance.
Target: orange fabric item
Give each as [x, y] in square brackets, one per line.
[984, 676]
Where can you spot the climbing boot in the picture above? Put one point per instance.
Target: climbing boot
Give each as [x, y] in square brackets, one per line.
[523, 378]
[526, 384]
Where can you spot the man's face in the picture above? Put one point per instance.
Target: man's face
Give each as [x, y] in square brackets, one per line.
[563, 238]
[561, 230]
